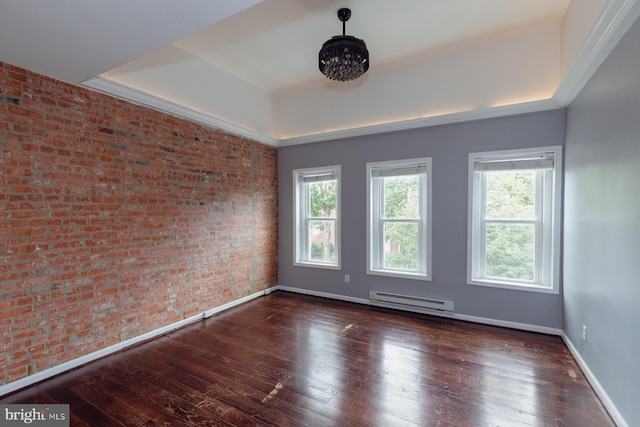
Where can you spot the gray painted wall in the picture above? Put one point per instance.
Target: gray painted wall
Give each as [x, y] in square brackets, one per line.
[449, 146]
[602, 225]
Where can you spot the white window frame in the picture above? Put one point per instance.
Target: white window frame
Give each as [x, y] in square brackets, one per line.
[547, 161]
[375, 223]
[301, 244]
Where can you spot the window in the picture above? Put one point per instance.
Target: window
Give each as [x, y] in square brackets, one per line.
[514, 219]
[399, 218]
[317, 217]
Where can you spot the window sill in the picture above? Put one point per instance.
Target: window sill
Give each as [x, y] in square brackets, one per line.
[513, 286]
[400, 275]
[317, 265]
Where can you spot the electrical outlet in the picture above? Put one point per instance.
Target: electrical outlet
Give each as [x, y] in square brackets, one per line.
[584, 332]
[347, 278]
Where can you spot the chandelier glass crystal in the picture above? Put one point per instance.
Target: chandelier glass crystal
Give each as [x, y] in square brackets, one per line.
[343, 58]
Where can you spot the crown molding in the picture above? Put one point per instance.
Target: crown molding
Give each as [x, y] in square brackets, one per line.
[135, 96]
[614, 21]
[463, 116]
[612, 24]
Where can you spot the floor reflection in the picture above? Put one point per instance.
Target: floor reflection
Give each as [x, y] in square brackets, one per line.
[400, 393]
[509, 391]
[322, 364]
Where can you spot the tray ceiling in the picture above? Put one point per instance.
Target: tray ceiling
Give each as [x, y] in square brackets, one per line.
[250, 66]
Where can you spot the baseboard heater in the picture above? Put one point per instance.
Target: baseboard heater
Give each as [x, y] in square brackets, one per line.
[410, 302]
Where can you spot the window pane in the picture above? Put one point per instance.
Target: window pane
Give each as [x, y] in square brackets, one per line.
[401, 245]
[322, 199]
[511, 251]
[401, 197]
[511, 194]
[322, 240]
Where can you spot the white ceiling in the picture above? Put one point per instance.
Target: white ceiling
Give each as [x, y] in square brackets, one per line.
[74, 40]
[275, 44]
[251, 66]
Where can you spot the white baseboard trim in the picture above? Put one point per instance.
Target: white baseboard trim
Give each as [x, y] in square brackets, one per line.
[75, 363]
[234, 303]
[597, 387]
[464, 317]
[322, 294]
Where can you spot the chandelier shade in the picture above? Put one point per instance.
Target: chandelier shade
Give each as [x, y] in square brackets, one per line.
[343, 58]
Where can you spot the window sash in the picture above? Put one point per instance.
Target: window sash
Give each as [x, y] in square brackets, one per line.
[546, 165]
[377, 264]
[483, 221]
[483, 252]
[303, 253]
[308, 242]
[383, 264]
[378, 261]
[306, 192]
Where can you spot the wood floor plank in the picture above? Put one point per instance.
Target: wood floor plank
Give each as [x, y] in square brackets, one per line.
[293, 360]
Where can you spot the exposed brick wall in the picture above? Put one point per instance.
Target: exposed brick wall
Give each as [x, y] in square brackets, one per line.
[116, 220]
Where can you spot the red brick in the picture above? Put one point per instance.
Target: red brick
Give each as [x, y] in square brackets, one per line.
[119, 218]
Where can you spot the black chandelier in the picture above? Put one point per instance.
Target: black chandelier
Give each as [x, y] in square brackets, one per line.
[344, 58]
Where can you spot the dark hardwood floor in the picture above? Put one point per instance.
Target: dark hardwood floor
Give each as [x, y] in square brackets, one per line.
[293, 360]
